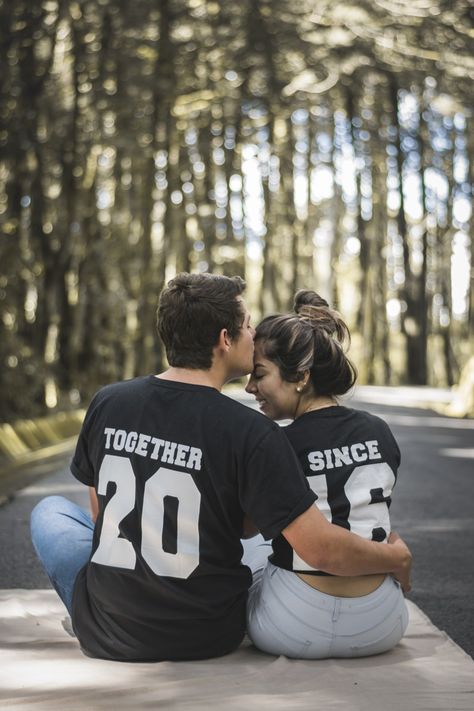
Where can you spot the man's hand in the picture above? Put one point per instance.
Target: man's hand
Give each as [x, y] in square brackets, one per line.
[402, 573]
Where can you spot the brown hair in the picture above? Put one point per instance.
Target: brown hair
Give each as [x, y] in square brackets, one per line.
[192, 311]
[313, 338]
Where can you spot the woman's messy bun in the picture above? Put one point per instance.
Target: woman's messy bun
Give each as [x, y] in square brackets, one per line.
[312, 307]
[313, 338]
[306, 297]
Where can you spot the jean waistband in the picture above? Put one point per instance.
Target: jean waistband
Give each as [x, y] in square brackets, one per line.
[289, 580]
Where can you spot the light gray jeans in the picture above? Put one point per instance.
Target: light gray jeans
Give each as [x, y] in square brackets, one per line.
[286, 616]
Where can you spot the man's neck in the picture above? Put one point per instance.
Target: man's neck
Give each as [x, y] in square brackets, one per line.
[211, 378]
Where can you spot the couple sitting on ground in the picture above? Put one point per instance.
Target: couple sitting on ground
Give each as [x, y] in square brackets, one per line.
[181, 473]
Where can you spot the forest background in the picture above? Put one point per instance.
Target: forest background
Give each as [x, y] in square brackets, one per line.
[316, 144]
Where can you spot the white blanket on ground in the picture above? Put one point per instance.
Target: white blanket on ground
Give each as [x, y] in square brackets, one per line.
[41, 667]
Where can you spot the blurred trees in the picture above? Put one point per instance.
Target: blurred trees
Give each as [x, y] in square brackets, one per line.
[327, 145]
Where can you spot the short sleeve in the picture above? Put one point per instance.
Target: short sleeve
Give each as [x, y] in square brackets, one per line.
[81, 465]
[398, 455]
[273, 488]
[393, 450]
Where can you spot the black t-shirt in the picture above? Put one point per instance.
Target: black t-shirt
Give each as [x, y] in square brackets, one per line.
[175, 467]
[350, 459]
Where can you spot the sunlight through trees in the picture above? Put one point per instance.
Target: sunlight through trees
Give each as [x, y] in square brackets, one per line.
[326, 145]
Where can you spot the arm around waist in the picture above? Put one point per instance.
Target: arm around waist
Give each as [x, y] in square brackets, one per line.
[335, 550]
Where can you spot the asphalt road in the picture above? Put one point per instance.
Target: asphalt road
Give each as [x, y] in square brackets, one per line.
[432, 510]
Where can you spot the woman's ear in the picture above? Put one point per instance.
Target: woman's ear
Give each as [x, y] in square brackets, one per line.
[302, 382]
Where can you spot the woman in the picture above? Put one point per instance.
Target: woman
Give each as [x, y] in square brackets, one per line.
[350, 458]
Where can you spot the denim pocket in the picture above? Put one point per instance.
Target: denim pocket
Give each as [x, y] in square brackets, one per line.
[383, 643]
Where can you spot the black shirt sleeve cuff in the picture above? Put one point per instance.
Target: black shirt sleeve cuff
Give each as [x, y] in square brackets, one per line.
[80, 475]
[303, 505]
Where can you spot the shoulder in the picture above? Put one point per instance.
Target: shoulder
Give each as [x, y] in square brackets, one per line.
[244, 416]
[371, 421]
[116, 391]
[364, 421]
[123, 386]
[376, 427]
[247, 429]
[340, 422]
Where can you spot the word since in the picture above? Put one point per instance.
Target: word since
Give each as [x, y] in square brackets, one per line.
[339, 457]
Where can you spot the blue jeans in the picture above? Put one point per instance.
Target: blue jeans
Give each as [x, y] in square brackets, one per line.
[62, 536]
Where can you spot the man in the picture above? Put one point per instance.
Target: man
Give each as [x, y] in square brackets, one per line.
[177, 466]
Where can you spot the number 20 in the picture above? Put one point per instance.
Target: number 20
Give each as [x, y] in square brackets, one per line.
[119, 552]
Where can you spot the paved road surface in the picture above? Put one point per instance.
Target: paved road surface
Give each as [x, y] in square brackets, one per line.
[432, 509]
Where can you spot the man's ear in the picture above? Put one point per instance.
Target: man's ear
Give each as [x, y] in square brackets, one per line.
[225, 340]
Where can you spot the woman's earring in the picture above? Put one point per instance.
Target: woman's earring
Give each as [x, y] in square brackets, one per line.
[299, 389]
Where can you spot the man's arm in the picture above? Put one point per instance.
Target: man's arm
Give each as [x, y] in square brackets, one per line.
[335, 550]
[94, 502]
[249, 529]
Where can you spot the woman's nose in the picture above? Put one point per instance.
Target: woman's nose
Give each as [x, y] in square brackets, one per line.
[250, 387]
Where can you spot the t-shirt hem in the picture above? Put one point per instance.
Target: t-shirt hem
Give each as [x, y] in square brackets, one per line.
[228, 649]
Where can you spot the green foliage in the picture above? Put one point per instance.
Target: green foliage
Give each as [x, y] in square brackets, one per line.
[323, 144]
